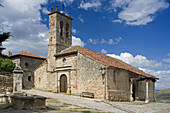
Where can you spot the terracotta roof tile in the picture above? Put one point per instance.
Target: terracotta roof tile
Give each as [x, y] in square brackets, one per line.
[29, 55]
[106, 60]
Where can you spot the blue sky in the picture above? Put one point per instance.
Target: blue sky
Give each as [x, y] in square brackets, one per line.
[135, 31]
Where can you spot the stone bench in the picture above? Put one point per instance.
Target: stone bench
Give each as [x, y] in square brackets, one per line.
[87, 94]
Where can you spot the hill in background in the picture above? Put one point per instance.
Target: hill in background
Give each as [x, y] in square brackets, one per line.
[163, 95]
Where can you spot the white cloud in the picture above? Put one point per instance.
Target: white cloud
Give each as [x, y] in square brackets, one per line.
[137, 61]
[114, 41]
[80, 19]
[167, 60]
[164, 78]
[74, 30]
[117, 21]
[91, 4]
[103, 51]
[93, 41]
[119, 3]
[168, 55]
[77, 41]
[138, 12]
[103, 41]
[22, 18]
[45, 11]
[110, 41]
[66, 2]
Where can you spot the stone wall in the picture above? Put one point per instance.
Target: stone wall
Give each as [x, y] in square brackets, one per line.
[40, 76]
[142, 90]
[16, 61]
[65, 65]
[6, 82]
[118, 84]
[88, 77]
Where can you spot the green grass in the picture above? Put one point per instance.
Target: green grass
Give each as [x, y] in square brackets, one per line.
[84, 108]
[74, 110]
[86, 111]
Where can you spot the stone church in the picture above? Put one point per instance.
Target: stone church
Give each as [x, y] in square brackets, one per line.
[74, 69]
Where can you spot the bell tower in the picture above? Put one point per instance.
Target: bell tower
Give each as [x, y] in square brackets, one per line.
[60, 35]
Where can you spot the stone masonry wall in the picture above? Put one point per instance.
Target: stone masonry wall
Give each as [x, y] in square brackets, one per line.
[6, 82]
[29, 64]
[40, 76]
[88, 77]
[64, 65]
[142, 90]
[118, 84]
[16, 61]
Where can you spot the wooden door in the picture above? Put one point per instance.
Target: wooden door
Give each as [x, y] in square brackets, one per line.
[63, 84]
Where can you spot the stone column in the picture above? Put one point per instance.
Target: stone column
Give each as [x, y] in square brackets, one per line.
[17, 79]
[154, 97]
[58, 89]
[147, 96]
[56, 78]
[131, 90]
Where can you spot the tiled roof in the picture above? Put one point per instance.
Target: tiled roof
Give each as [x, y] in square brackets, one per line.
[28, 54]
[105, 60]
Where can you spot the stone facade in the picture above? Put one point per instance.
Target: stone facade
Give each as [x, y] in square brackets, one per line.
[119, 86]
[83, 75]
[28, 65]
[74, 71]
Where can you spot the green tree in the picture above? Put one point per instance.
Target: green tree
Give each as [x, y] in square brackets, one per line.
[6, 65]
[3, 37]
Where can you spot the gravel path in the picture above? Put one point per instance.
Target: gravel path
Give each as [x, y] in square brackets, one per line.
[79, 101]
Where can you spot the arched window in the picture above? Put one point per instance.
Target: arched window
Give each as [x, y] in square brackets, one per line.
[61, 28]
[67, 30]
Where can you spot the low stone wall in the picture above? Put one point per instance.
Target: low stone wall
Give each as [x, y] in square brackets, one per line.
[6, 82]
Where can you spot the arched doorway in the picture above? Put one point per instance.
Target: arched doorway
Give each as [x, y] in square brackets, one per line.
[63, 83]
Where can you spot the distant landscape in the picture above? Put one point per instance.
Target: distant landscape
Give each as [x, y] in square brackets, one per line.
[163, 95]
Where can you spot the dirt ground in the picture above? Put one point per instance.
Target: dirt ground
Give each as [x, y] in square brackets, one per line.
[52, 106]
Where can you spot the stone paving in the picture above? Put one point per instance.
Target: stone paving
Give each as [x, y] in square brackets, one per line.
[141, 107]
[79, 101]
[107, 106]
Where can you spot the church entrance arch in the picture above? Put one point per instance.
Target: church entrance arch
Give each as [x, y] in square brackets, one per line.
[63, 83]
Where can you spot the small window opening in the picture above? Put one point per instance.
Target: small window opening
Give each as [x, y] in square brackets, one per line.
[67, 30]
[29, 78]
[114, 76]
[39, 80]
[61, 28]
[64, 60]
[26, 64]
